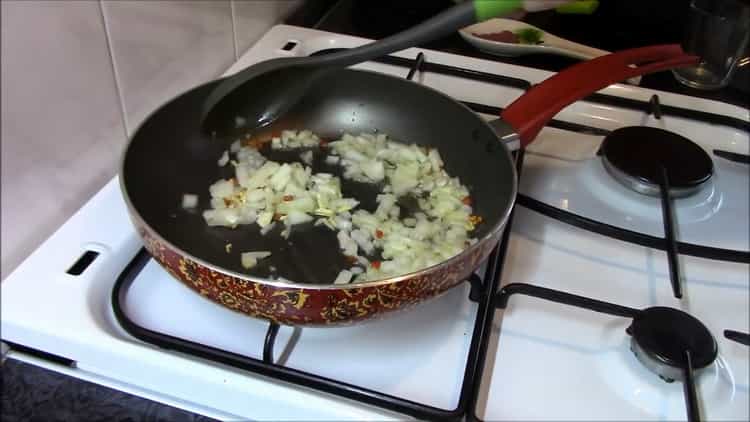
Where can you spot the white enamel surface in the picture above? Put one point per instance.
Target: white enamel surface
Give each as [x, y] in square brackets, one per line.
[536, 350]
[436, 336]
[581, 360]
[715, 216]
[47, 309]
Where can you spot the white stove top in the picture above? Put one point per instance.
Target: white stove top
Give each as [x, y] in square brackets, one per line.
[545, 360]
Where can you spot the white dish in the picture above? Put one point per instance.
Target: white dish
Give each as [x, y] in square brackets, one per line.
[550, 44]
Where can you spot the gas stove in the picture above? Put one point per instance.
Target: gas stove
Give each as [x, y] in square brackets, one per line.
[585, 310]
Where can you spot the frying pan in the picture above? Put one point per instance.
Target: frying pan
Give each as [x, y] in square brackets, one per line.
[169, 156]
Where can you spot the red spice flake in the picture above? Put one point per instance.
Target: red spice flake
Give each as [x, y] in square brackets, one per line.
[375, 264]
[379, 234]
[466, 200]
[287, 198]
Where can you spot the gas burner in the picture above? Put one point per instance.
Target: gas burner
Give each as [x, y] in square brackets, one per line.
[661, 336]
[635, 156]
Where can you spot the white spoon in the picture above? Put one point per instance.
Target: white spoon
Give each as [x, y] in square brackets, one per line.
[549, 44]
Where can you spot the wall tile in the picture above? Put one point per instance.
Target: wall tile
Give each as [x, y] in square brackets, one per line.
[62, 130]
[252, 18]
[162, 48]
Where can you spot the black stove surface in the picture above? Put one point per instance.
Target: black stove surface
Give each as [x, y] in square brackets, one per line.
[615, 25]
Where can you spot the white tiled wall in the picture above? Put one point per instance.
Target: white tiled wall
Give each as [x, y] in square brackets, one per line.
[163, 48]
[251, 17]
[77, 79]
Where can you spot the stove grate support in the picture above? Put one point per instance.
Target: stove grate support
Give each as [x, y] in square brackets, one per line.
[503, 296]
[736, 336]
[670, 244]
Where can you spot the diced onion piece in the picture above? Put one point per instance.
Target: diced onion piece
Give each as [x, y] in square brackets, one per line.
[257, 254]
[263, 191]
[226, 217]
[189, 201]
[374, 170]
[250, 259]
[264, 231]
[297, 217]
[363, 241]
[222, 189]
[264, 218]
[224, 159]
[307, 157]
[344, 277]
[346, 243]
[282, 176]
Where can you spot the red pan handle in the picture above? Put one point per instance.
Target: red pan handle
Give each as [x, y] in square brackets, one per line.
[529, 113]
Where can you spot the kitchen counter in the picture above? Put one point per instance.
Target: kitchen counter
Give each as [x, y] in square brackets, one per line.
[32, 393]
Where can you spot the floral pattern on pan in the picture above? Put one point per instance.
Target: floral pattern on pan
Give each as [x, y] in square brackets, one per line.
[316, 305]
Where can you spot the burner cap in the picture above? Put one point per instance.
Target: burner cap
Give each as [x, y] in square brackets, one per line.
[635, 156]
[660, 336]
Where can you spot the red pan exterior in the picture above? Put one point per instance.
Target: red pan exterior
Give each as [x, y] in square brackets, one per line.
[316, 305]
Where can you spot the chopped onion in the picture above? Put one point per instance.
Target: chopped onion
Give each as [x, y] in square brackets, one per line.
[347, 244]
[344, 277]
[224, 159]
[297, 217]
[291, 139]
[307, 157]
[263, 191]
[189, 201]
[222, 189]
[250, 259]
[264, 231]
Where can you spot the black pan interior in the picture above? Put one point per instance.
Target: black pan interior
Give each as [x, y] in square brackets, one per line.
[169, 156]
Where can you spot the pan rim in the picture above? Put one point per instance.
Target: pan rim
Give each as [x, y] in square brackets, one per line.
[140, 221]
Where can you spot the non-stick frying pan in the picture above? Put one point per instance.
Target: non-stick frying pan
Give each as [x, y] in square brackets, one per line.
[169, 156]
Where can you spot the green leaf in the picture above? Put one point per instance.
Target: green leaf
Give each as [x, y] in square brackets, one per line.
[529, 36]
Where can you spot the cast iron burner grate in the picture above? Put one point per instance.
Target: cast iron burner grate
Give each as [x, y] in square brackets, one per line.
[640, 157]
[668, 341]
[658, 162]
[481, 292]
[662, 338]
